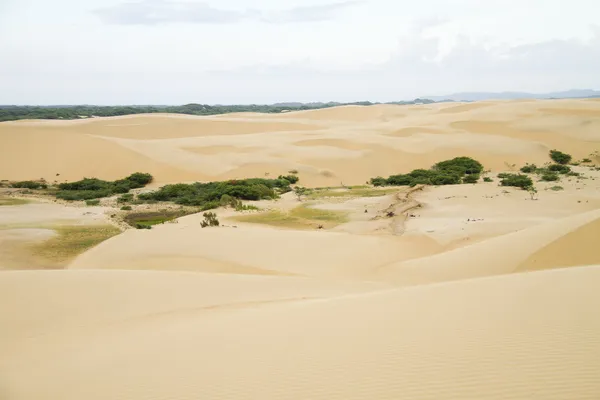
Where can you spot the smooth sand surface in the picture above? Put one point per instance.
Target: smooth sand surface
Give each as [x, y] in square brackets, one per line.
[467, 292]
[349, 144]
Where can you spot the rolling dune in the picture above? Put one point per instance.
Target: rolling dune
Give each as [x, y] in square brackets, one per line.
[438, 293]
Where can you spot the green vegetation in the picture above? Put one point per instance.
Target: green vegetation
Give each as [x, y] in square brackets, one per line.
[94, 202]
[72, 241]
[236, 204]
[210, 220]
[10, 201]
[10, 113]
[145, 220]
[515, 180]
[208, 195]
[126, 208]
[449, 172]
[559, 157]
[33, 185]
[357, 191]
[473, 178]
[92, 188]
[561, 169]
[550, 177]
[488, 179]
[125, 198]
[586, 161]
[529, 169]
[301, 217]
[557, 188]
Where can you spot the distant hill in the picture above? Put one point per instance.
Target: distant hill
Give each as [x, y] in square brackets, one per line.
[478, 96]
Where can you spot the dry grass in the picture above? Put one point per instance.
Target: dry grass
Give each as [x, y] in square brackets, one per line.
[10, 201]
[71, 241]
[301, 217]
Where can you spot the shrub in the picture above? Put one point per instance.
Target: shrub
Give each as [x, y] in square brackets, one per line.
[550, 177]
[210, 219]
[293, 172]
[561, 169]
[293, 179]
[529, 168]
[586, 160]
[488, 179]
[125, 198]
[503, 175]
[559, 157]
[211, 205]
[92, 202]
[93, 188]
[29, 185]
[573, 173]
[378, 181]
[516, 180]
[557, 188]
[142, 226]
[126, 208]
[473, 178]
[466, 165]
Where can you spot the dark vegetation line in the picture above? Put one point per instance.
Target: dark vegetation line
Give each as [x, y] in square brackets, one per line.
[211, 195]
[12, 113]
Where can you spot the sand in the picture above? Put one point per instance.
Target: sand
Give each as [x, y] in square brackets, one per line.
[467, 292]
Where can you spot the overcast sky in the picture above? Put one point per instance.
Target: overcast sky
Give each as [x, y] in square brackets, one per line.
[265, 51]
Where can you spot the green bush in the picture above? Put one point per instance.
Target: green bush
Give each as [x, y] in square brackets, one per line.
[92, 202]
[573, 173]
[516, 180]
[504, 175]
[449, 172]
[529, 169]
[212, 193]
[488, 179]
[126, 208]
[473, 178]
[561, 169]
[29, 185]
[550, 177]
[293, 179]
[557, 188]
[93, 188]
[586, 160]
[559, 157]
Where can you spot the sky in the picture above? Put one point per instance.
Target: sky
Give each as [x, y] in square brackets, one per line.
[265, 51]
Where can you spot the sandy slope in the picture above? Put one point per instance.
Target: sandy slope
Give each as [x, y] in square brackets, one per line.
[516, 337]
[481, 293]
[349, 144]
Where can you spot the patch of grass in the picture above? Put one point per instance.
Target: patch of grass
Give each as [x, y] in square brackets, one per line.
[488, 179]
[94, 202]
[557, 188]
[145, 220]
[301, 217]
[73, 240]
[357, 191]
[29, 185]
[515, 180]
[126, 208]
[10, 201]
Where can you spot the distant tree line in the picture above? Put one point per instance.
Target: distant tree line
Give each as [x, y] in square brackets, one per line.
[67, 112]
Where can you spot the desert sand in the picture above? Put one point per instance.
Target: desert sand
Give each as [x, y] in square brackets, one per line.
[468, 292]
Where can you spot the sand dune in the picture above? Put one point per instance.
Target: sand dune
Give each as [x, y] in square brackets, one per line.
[508, 337]
[184, 148]
[463, 292]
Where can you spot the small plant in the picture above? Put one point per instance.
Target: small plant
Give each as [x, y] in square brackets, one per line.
[529, 168]
[586, 161]
[561, 169]
[126, 208]
[293, 179]
[300, 192]
[516, 180]
[559, 157]
[143, 226]
[94, 202]
[293, 172]
[473, 178]
[210, 220]
[532, 192]
[550, 177]
[488, 179]
[571, 173]
[557, 188]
